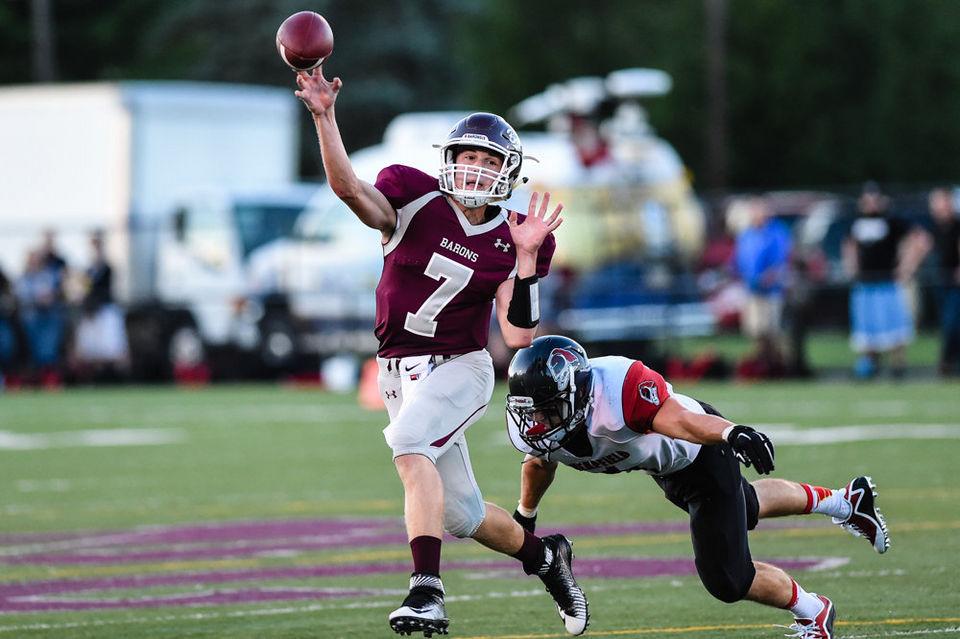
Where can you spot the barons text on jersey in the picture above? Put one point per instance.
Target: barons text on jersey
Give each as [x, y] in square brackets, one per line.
[460, 250]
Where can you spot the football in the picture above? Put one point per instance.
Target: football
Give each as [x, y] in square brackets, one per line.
[304, 40]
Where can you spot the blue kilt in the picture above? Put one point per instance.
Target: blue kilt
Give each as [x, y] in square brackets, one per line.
[879, 317]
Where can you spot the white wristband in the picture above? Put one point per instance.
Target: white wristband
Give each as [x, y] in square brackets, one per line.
[526, 513]
[726, 432]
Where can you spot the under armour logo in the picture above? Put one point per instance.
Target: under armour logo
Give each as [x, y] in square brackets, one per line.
[501, 245]
[390, 394]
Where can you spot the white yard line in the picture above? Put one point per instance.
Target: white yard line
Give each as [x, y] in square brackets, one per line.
[907, 633]
[10, 440]
[259, 612]
[781, 434]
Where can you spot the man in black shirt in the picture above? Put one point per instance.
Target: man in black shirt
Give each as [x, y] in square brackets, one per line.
[882, 253]
[946, 238]
[100, 351]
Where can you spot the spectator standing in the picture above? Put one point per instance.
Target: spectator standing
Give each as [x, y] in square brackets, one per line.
[881, 253]
[8, 334]
[53, 261]
[807, 267]
[100, 348]
[42, 316]
[761, 259]
[946, 238]
[593, 150]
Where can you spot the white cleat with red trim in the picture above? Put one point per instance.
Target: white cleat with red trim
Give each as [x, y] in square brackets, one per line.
[865, 519]
[820, 627]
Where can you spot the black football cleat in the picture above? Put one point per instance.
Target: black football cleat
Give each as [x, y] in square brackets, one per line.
[556, 573]
[422, 610]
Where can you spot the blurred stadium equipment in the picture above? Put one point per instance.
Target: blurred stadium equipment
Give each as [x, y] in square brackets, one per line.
[368, 395]
[634, 226]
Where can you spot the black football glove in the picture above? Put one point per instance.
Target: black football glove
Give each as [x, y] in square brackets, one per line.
[529, 523]
[752, 448]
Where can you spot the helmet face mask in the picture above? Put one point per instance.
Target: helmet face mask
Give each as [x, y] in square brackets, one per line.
[545, 427]
[550, 384]
[462, 181]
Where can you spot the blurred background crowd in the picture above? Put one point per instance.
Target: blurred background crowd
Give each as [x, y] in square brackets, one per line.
[753, 189]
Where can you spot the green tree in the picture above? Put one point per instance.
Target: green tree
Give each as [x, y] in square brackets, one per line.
[525, 46]
[826, 92]
[393, 57]
[820, 92]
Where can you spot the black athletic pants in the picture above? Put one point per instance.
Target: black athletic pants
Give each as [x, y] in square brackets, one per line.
[723, 506]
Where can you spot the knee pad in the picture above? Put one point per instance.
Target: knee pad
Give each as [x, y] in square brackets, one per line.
[404, 440]
[729, 586]
[461, 518]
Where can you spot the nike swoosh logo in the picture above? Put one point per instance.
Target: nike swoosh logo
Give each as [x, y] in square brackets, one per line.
[410, 368]
[443, 440]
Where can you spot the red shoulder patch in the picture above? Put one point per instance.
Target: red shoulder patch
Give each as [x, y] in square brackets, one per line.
[644, 391]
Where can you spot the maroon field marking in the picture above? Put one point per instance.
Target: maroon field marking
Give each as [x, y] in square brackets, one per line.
[253, 538]
[250, 539]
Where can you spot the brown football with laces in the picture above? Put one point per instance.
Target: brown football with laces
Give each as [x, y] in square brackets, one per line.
[304, 40]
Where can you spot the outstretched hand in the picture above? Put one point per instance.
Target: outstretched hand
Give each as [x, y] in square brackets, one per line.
[316, 92]
[752, 447]
[529, 235]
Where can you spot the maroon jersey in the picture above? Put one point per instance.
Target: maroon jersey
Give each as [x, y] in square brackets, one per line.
[440, 273]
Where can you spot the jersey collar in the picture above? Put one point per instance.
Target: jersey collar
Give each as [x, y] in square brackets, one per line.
[470, 229]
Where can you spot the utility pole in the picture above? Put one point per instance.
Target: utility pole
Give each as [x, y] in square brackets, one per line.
[716, 133]
[44, 50]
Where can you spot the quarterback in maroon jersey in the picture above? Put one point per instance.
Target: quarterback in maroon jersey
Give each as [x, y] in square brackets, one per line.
[450, 255]
[614, 414]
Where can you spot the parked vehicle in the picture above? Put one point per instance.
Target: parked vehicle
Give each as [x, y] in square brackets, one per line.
[185, 180]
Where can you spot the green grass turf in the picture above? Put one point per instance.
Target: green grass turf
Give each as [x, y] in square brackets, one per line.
[266, 452]
[826, 350]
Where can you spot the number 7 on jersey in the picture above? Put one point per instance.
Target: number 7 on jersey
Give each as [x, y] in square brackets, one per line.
[455, 277]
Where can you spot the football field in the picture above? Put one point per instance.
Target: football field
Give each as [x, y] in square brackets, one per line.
[274, 512]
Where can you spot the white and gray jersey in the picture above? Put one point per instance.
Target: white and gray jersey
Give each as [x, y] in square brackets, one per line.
[626, 396]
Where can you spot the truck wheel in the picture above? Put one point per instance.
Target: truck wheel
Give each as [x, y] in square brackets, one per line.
[145, 332]
[185, 348]
[278, 343]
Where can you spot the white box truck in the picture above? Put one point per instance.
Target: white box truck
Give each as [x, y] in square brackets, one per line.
[185, 180]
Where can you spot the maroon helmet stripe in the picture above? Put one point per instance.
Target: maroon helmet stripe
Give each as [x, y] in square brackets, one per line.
[443, 440]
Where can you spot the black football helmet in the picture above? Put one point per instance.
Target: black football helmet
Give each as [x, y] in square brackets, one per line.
[550, 385]
[492, 133]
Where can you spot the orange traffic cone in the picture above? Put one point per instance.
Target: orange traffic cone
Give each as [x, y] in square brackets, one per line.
[368, 393]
